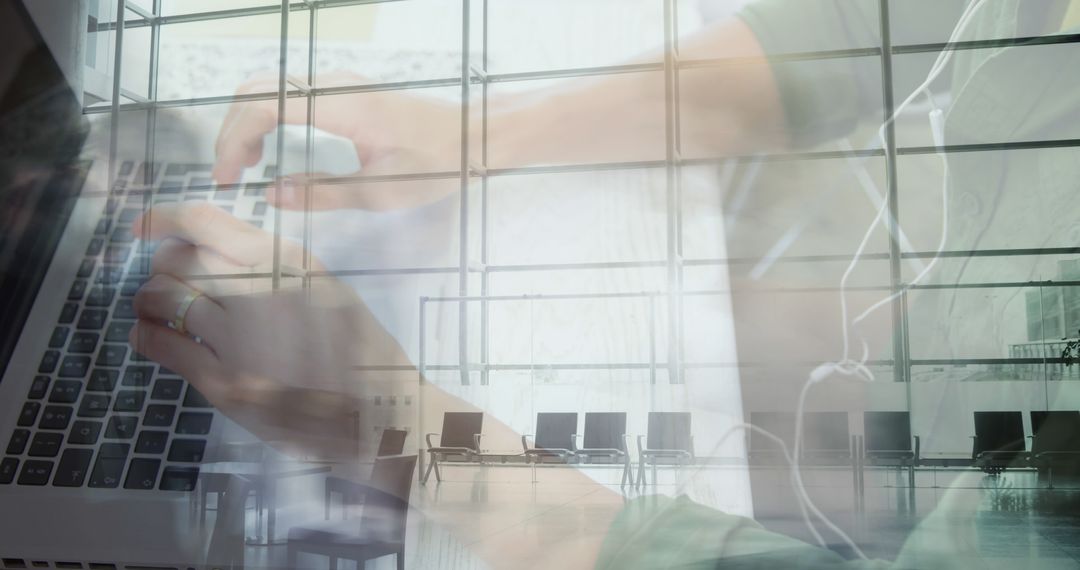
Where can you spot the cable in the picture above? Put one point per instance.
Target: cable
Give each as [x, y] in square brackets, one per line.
[858, 369]
[846, 366]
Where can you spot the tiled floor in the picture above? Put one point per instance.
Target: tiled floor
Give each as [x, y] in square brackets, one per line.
[964, 517]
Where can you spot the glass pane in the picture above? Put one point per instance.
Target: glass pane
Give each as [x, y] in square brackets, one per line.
[991, 205]
[564, 34]
[216, 57]
[577, 218]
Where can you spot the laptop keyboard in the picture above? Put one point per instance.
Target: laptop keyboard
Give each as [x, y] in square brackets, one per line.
[98, 414]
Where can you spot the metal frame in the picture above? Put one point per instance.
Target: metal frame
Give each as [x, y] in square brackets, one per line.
[475, 81]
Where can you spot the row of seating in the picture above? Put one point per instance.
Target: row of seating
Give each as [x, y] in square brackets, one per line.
[998, 441]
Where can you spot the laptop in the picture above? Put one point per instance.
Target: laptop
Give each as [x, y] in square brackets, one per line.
[100, 448]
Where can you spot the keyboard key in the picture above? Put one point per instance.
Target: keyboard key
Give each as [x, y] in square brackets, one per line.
[18, 441]
[73, 466]
[118, 331]
[58, 337]
[84, 342]
[194, 399]
[128, 215]
[49, 362]
[102, 380]
[151, 441]
[141, 265]
[254, 190]
[121, 427]
[95, 246]
[103, 226]
[117, 254]
[142, 473]
[187, 450]
[124, 309]
[67, 313]
[112, 355]
[28, 414]
[138, 376]
[75, 366]
[39, 387]
[110, 275]
[109, 466]
[260, 209]
[159, 415]
[8, 467]
[78, 289]
[65, 391]
[92, 319]
[167, 389]
[179, 479]
[35, 472]
[129, 401]
[86, 268]
[136, 356]
[131, 285]
[56, 417]
[194, 423]
[84, 432]
[100, 296]
[122, 235]
[45, 444]
[94, 406]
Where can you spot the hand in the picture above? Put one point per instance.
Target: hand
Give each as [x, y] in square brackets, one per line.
[280, 363]
[394, 132]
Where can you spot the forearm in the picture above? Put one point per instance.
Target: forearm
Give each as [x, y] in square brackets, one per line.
[725, 108]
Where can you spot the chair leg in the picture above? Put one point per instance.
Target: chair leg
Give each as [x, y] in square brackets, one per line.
[333, 563]
[400, 556]
[427, 472]
[655, 478]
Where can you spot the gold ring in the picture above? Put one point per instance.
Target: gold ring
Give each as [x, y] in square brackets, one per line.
[182, 310]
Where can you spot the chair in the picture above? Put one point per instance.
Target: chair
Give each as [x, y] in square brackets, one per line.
[380, 529]
[1055, 442]
[888, 442]
[826, 438]
[460, 437]
[391, 442]
[605, 437]
[227, 542]
[998, 441]
[765, 450]
[669, 438]
[555, 433]
[218, 483]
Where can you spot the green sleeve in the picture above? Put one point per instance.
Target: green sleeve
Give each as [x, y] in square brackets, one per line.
[825, 97]
[661, 532]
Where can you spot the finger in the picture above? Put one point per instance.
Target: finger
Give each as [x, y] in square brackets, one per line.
[212, 274]
[357, 193]
[180, 353]
[205, 225]
[240, 141]
[159, 299]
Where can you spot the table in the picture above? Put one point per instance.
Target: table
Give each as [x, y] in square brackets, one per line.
[265, 477]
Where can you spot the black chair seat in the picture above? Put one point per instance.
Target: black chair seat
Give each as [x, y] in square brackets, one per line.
[350, 532]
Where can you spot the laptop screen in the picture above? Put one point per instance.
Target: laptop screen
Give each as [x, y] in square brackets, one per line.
[41, 134]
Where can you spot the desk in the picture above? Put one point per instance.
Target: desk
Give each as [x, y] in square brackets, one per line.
[264, 477]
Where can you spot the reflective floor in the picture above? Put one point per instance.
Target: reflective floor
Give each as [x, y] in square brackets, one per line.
[965, 517]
